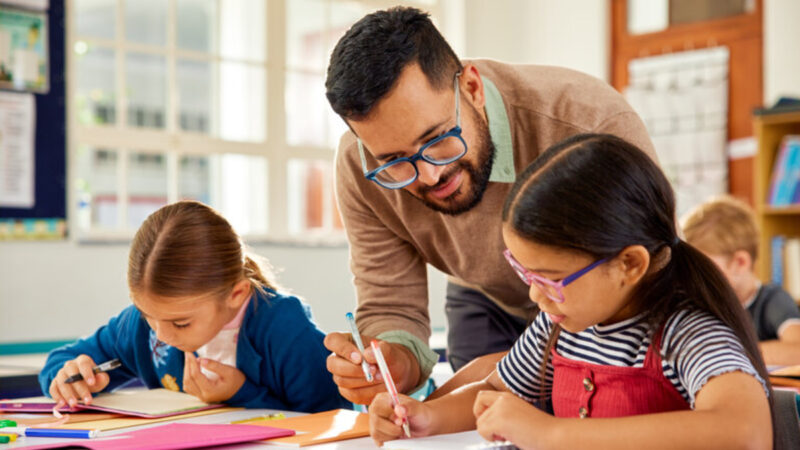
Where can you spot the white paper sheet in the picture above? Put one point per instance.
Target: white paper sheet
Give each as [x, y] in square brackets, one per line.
[17, 132]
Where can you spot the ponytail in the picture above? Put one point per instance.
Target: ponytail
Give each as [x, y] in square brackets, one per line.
[256, 270]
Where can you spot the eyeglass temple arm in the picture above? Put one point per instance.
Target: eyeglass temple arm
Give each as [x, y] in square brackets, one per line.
[363, 158]
[458, 95]
[577, 274]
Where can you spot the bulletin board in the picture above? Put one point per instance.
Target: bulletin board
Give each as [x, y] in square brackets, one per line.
[45, 217]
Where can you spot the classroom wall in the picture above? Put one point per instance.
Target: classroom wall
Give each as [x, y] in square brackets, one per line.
[781, 64]
[62, 290]
[568, 33]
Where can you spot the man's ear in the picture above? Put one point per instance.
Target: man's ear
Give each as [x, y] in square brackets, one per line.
[471, 85]
[633, 263]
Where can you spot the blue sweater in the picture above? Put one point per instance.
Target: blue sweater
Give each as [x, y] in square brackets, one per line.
[279, 351]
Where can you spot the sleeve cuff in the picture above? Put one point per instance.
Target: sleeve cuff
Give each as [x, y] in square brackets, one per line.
[426, 357]
[245, 393]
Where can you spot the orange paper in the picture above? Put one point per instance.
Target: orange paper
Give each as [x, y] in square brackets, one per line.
[311, 429]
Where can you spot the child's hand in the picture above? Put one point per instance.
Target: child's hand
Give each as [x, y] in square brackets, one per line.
[386, 423]
[71, 393]
[208, 390]
[504, 416]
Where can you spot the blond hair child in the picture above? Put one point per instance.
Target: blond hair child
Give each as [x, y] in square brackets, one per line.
[724, 228]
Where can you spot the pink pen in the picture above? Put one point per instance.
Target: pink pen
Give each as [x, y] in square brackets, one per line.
[387, 380]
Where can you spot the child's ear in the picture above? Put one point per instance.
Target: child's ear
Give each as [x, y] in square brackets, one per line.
[634, 261]
[741, 261]
[241, 292]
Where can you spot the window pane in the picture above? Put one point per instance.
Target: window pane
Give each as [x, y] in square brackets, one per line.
[146, 89]
[146, 21]
[194, 179]
[94, 97]
[195, 95]
[688, 11]
[306, 110]
[243, 102]
[310, 195]
[243, 31]
[95, 18]
[343, 15]
[243, 196]
[197, 25]
[96, 186]
[147, 186]
[306, 38]
[336, 127]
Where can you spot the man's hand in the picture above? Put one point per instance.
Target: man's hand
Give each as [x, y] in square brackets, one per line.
[345, 365]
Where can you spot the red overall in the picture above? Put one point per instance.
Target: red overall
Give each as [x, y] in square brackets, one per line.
[582, 389]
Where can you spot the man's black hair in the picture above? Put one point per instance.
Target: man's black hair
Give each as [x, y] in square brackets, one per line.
[368, 59]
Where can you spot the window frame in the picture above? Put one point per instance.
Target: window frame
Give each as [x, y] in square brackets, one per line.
[173, 142]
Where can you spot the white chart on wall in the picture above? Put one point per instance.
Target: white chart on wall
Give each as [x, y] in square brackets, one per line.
[683, 100]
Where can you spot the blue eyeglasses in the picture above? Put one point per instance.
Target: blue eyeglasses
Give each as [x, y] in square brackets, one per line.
[439, 151]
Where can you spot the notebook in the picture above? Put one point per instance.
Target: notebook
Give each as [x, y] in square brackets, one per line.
[149, 403]
[174, 436]
[318, 428]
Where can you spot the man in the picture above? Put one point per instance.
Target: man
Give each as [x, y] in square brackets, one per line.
[434, 147]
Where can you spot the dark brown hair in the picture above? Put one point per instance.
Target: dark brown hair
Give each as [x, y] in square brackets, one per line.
[187, 249]
[368, 59]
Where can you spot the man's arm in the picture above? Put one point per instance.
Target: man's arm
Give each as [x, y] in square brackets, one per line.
[630, 127]
[391, 284]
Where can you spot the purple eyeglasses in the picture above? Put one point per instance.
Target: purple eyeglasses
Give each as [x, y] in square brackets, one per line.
[550, 288]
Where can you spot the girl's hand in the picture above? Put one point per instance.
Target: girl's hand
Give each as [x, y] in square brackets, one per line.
[386, 422]
[70, 393]
[208, 390]
[504, 416]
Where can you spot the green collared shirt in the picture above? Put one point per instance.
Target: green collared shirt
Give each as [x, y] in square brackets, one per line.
[500, 130]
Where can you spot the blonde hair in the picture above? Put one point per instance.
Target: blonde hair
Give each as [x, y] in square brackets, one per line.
[186, 249]
[722, 226]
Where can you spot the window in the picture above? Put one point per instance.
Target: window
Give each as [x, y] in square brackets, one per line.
[221, 101]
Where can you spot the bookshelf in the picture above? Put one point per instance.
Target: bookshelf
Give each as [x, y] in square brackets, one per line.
[772, 220]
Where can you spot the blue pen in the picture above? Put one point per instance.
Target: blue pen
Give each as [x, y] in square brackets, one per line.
[357, 338]
[50, 432]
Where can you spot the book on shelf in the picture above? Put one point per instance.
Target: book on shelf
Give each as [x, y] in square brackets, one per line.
[784, 187]
[791, 267]
[785, 264]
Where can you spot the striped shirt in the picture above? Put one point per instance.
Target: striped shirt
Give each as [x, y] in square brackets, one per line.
[701, 347]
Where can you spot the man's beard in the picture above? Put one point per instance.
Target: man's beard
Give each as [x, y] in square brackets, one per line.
[478, 175]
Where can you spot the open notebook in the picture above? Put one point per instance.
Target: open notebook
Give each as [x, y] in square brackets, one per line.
[150, 403]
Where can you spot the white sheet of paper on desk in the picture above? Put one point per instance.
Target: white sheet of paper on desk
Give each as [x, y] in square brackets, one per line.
[460, 441]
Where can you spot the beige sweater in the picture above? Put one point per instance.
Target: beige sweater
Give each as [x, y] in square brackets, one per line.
[392, 235]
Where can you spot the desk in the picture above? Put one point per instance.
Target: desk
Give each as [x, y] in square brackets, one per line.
[354, 444]
[19, 375]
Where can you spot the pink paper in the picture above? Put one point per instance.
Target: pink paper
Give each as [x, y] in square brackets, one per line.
[174, 436]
